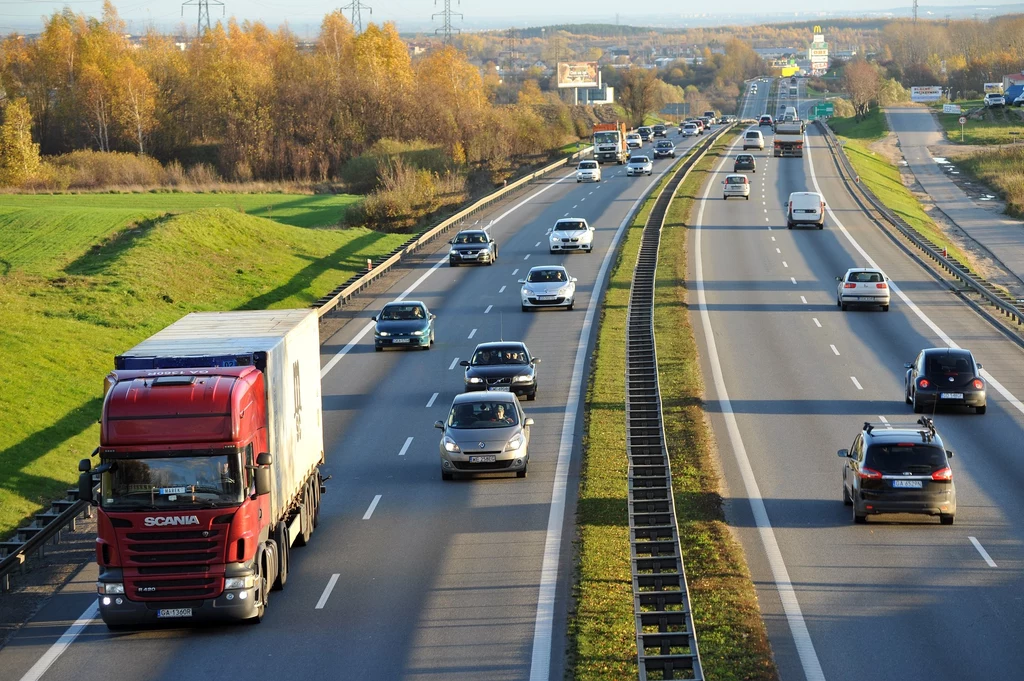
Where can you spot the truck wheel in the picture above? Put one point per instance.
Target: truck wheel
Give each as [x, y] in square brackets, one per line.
[283, 555]
[305, 526]
[316, 500]
[264, 591]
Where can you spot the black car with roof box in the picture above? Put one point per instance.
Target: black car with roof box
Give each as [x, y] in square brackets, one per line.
[899, 468]
[503, 366]
[945, 377]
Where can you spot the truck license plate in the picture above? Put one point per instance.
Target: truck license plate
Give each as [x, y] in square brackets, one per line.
[400, 340]
[482, 459]
[174, 612]
[951, 396]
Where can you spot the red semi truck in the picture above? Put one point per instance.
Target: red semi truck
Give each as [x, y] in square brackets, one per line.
[210, 447]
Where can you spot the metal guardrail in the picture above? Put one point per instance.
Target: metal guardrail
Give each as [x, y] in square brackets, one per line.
[666, 641]
[867, 199]
[367, 276]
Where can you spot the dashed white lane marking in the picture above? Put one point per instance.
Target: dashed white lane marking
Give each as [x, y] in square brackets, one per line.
[803, 299]
[983, 552]
[327, 590]
[488, 309]
[453, 364]
[773, 239]
[527, 257]
[793, 279]
[777, 250]
[430, 402]
[816, 322]
[501, 290]
[834, 348]
[785, 264]
[515, 271]
[405, 447]
[566, 215]
[574, 207]
[856, 382]
[373, 505]
[472, 333]
[583, 199]
[536, 244]
[884, 421]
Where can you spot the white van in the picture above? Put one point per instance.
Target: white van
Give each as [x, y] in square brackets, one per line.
[805, 208]
[790, 114]
[753, 139]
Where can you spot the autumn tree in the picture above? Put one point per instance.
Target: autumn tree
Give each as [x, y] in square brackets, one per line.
[638, 94]
[862, 81]
[19, 155]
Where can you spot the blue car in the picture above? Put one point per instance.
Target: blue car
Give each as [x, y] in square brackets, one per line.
[404, 324]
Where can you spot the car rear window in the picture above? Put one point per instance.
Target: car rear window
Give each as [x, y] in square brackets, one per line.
[899, 458]
[948, 365]
[753, 135]
[865, 277]
[735, 180]
[745, 158]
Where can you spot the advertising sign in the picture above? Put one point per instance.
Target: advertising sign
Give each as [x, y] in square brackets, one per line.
[815, 52]
[577, 74]
[994, 87]
[925, 93]
[951, 108]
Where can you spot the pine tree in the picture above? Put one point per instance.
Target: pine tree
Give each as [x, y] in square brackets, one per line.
[19, 155]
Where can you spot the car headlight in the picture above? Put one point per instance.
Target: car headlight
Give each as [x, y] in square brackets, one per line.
[383, 333]
[523, 378]
[555, 238]
[524, 291]
[419, 332]
[108, 588]
[450, 445]
[246, 582]
[453, 252]
[515, 443]
[474, 379]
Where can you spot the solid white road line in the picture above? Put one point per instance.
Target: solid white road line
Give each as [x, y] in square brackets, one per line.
[373, 505]
[1000, 388]
[488, 309]
[430, 402]
[58, 648]
[472, 333]
[983, 552]
[423, 277]
[834, 348]
[816, 322]
[856, 382]
[328, 589]
[540, 659]
[454, 362]
[501, 290]
[405, 447]
[787, 594]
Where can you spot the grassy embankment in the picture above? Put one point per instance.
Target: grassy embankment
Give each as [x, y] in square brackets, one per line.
[987, 126]
[730, 631]
[1003, 171]
[883, 178]
[85, 277]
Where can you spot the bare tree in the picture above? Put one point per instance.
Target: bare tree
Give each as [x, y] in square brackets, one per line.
[863, 82]
[638, 94]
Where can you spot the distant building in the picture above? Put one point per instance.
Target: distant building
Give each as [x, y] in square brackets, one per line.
[1011, 79]
[597, 95]
[776, 52]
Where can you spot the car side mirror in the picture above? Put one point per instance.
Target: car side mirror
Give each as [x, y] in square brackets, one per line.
[573, 279]
[439, 424]
[839, 278]
[85, 487]
[522, 281]
[452, 240]
[949, 453]
[433, 316]
[844, 453]
[374, 317]
[464, 363]
[980, 366]
[536, 360]
[528, 422]
[908, 365]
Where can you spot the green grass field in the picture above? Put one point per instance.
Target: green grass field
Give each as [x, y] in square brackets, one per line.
[730, 631]
[872, 127]
[994, 127]
[85, 277]
[1003, 170]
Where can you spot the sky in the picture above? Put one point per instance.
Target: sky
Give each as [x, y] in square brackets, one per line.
[415, 15]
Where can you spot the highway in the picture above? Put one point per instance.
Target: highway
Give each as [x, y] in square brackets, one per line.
[408, 577]
[790, 379]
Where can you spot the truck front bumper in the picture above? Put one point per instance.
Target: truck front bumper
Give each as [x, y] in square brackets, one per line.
[230, 606]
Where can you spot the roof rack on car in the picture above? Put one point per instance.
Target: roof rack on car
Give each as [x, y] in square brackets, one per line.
[927, 434]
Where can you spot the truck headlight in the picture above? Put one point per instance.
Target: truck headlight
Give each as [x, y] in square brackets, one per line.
[515, 443]
[450, 445]
[108, 588]
[246, 582]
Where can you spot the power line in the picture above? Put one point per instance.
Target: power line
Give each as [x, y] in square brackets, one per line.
[915, 11]
[446, 30]
[356, 8]
[512, 48]
[203, 22]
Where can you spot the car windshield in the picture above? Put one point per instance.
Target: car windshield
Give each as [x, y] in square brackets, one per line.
[588, 165]
[483, 414]
[470, 238]
[638, 159]
[865, 277]
[402, 313]
[569, 226]
[896, 459]
[546, 276]
[609, 137]
[187, 479]
[664, 145]
[948, 365]
[496, 356]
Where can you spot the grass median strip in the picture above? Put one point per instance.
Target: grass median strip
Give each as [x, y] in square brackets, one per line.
[730, 632]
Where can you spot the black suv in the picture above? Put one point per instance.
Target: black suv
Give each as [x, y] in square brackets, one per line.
[744, 162]
[472, 246]
[944, 377]
[899, 468]
[504, 366]
[660, 131]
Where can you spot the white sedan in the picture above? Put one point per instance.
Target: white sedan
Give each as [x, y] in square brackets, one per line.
[863, 286]
[588, 171]
[548, 286]
[571, 234]
[689, 130]
[639, 165]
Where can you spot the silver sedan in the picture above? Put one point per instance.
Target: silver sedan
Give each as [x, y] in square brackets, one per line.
[485, 433]
[548, 286]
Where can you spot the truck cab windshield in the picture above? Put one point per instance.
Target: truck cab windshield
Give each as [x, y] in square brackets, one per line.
[611, 137]
[197, 479]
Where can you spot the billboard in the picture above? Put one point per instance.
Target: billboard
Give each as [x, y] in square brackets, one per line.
[577, 74]
[994, 87]
[925, 93]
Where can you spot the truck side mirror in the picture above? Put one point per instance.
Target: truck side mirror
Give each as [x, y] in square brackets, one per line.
[264, 459]
[85, 487]
[261, 476]
[84, 466]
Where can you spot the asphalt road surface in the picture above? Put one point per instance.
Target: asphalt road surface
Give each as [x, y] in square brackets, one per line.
[407, 577]
[791, 379]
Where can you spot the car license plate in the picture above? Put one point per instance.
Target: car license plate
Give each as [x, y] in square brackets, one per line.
[545, 297]
[174, 612]
[951, 396]
[907, 484]
[499, 388]
[400, 340]
[482, 459]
